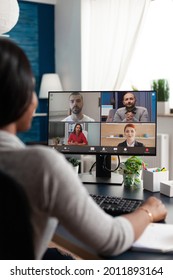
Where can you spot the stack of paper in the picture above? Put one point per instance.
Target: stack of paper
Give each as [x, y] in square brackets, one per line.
[157, 237]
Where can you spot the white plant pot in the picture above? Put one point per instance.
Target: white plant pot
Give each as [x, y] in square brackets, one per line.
[76, 169]
[163, 107]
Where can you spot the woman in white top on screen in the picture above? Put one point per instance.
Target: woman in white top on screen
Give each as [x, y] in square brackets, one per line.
[55, 193]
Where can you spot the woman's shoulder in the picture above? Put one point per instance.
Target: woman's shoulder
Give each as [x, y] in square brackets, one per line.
[39, 150]
[122, 144]
[43, 155]
[48, 161]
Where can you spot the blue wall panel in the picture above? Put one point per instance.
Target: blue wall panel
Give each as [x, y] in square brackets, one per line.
[25, 33]
[34, 32]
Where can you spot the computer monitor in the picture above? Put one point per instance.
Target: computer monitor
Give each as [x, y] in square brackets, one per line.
[112, 122]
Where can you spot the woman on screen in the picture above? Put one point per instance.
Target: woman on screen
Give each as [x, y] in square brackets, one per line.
[130, 134]
[55, 193]
[77, 137]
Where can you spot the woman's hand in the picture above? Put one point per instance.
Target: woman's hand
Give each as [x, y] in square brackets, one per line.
[152, 210]
[156, 208]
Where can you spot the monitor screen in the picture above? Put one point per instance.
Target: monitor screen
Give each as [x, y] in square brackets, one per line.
[109, 127]
[103, 122]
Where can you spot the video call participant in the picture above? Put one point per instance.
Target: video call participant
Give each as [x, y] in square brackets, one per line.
[55, 193]
[130, 134]
[129, 101]
[76, 106]
[77, 137]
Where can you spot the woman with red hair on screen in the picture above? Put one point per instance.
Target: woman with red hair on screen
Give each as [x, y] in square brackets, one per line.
[130, 134]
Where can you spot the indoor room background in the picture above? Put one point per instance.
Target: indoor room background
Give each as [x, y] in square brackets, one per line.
[61, 36]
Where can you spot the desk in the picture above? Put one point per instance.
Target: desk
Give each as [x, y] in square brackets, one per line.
[68, 241]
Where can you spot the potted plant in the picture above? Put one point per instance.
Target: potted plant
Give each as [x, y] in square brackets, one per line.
[161, 87]
[131, 170]
[75, 162]
[56, 140]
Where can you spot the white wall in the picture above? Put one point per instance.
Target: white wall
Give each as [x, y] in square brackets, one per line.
[68, 43]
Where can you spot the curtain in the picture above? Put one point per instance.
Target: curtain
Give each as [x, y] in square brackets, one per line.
[109, 31]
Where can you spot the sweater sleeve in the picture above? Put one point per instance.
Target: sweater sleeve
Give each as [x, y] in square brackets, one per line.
[70, 203]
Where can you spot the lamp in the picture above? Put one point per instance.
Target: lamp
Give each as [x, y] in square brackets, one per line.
[49, 82]
[9, 14]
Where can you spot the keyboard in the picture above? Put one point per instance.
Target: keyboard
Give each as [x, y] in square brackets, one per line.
[116, 206]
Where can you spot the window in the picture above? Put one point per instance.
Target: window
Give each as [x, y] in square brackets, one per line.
[153, 56]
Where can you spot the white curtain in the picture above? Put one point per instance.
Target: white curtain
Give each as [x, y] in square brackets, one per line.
[109, 31]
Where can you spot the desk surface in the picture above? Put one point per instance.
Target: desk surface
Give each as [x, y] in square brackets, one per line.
[77, 247]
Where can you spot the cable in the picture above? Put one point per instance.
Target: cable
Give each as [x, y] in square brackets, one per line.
[104, 165]
[92, 166]
[111, 170]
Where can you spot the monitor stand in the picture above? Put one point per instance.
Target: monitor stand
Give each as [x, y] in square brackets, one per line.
[102, 175]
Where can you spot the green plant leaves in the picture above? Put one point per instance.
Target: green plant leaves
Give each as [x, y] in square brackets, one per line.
[161, 87]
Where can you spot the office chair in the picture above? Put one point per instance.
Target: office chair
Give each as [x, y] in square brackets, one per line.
[16, 232]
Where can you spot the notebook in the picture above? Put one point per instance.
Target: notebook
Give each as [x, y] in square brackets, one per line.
[157, 237]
